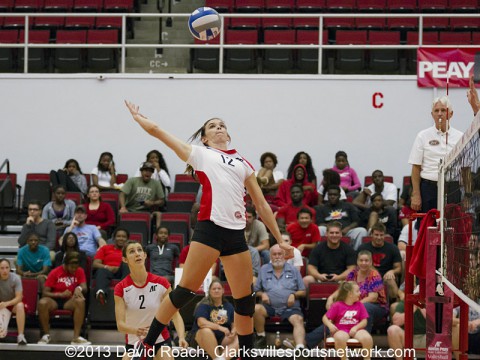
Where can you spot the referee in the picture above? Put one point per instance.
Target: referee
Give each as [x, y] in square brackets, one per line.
[430, 146]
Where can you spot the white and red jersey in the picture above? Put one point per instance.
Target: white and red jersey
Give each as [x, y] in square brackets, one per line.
[141, 303]
[222, 174]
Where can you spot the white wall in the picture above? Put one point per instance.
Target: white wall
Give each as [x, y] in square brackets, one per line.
[45, 121]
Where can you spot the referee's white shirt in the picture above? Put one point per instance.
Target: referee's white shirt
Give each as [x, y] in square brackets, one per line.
[430, 147]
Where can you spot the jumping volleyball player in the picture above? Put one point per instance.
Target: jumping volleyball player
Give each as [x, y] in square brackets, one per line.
[219, 232]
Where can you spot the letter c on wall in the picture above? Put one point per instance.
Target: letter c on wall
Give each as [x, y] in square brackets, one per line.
[376, 100]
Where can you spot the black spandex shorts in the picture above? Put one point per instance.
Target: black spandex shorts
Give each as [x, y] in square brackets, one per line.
[227, 241]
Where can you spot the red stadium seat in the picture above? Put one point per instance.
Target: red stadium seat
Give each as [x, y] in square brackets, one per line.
[185, 183]
[429, 38]
[249, 6]
[463, 6]
[48, 22]
[75, 196]
[307, 59]
[278, 60]
[245, 23]
[222, 6]
[14, 22]
[310, 6]
[8, 55]
[6, 5]
[340, 5]
[277, 23]
[317, 296]
[475, 38]
[87, 5]
[371, 5]
[70, 59]
[402, 6]
[455, 38]
[339, 23]
[402, 23]
[240, 59]
[280, 6]
[106, 58]
[79, 23]
[432, 5]
[105, 23]
[118, 5]
[436, 23]
[27, 5]
[350, 60]
[58, 5]
[306, 23]
[370, 23]
[122, 178]
[37, 187]
[467, 23]
[384, 61]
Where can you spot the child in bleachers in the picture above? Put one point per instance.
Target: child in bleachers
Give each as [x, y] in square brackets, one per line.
[349, 180]
[104, 174]
[347, 318]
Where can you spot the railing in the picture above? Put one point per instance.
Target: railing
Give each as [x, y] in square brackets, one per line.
[222, 46]
[6, 182]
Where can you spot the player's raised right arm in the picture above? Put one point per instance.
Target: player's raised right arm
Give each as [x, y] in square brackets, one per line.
[181, 148]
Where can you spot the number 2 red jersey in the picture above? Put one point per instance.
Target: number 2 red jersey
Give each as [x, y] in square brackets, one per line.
[141, 303]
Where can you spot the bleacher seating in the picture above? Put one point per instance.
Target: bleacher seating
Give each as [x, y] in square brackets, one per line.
[37, 187]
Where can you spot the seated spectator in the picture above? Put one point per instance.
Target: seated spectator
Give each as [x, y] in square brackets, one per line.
[378, 212]
[349, 180]
[297, 260]
[143, 194]
[299, 177]
[268, 178]
[372, 291]
[60, 210]
[347, 318]
[287, 214]
[396, 334]
[403, 238]
[386, 259]
[331, 260]
[70, 243]
[473, 329]
[11, 295]
[304, 159]
[213, 325]
[404, 204]
[43, 228]
[71, 177]
[343, 212]
[256, 234]
[162, 255]
[99, 213]
[330, 177]
[304, 233]
[89, 238]
[160, 170]
[279, 287]
[108, 264]
[104, 175]
[33, 260]
[388, 191]
[65, 288]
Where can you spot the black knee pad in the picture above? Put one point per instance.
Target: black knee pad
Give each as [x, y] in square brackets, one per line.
[246, 305]
[181, 296]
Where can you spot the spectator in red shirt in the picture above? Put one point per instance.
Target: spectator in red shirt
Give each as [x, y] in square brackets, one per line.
[287, 214]
[299, 176]
[99, 213]
[65, 288]
[108, 264]
[304, 233]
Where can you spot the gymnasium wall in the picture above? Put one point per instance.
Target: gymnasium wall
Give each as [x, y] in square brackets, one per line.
[46, 120]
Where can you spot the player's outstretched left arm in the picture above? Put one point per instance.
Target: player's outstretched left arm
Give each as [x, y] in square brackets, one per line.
[266, 213]
[181, 148]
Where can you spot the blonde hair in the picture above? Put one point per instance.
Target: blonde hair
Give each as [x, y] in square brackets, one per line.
[344, 289]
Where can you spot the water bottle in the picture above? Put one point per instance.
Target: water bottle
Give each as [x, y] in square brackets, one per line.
[278, 341]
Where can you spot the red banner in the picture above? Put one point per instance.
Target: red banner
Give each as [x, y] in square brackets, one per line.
[437, 65]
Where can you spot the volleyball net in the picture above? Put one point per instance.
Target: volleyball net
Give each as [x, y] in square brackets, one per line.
[459, 205]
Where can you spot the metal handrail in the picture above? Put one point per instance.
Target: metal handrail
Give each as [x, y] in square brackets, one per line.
[221, 46]
[7, 181]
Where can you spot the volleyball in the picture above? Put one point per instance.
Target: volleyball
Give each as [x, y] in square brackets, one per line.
[204, 23]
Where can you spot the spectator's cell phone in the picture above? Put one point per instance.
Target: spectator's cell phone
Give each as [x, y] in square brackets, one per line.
[476, 68]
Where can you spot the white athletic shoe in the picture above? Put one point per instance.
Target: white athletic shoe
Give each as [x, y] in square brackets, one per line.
[80, 341]
[44, 340]
[21, 339]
